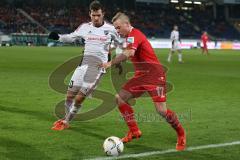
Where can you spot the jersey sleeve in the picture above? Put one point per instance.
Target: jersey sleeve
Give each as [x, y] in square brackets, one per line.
[115, 37]
[77, 34]
[134, 41]
[172, 36]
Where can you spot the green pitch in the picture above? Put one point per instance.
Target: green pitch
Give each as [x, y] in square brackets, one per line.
[205, 96]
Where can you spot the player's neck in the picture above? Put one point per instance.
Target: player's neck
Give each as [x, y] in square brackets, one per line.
[99, 25]
[130, 29]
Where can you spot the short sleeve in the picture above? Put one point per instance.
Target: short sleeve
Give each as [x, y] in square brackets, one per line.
[81, 30]
[133, 41]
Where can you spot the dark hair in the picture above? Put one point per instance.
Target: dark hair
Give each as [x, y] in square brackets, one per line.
[95, 6]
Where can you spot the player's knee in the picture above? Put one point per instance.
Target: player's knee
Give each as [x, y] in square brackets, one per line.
[70, 95]
[69, 98]
[161, 108]
[79, 99]
[119, 99]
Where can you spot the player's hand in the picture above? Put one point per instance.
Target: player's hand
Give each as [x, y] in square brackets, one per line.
[53, 36]
[120, 68]
[106, 65]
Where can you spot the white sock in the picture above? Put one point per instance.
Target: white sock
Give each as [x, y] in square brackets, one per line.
[169, 57]
[73, 111]
[68, 105]
[180, 57]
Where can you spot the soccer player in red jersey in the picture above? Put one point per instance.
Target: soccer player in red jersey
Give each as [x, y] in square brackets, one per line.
[149, 77]
[204, 39]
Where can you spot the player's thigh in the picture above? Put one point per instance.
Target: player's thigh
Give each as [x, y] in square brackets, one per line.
[157, 92]
[174, 46]
[158, 95]
[134, 87]
[77, 79]
[123, 96]
[173, 49]
[178, 46]
[91, 80]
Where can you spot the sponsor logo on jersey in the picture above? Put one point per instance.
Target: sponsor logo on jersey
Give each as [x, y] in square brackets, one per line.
[130, 40]
[96, 38]
[106, 32]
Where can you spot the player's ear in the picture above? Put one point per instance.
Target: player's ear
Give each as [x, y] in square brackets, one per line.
[103, 13]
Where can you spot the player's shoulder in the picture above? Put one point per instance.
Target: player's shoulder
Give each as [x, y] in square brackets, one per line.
[137, 34]
[84, 25]
[136, 31]
[87, 24]
[174, 31]
[108, 25]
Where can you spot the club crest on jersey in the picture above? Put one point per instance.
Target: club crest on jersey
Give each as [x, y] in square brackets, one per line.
[106, 32]
[130, 40]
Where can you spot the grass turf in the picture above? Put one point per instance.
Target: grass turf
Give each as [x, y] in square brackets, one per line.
[205, 96]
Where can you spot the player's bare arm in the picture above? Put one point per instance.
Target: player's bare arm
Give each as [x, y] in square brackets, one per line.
[120, 58]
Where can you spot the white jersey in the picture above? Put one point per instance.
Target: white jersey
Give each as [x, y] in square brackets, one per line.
[175, 40]
[174, 35]
[97, 39]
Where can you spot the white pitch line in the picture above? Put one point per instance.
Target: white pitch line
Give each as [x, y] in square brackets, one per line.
[145, 154]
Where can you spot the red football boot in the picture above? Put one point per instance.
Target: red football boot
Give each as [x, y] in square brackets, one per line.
[181, 142]
[131, 135]
[60, 125]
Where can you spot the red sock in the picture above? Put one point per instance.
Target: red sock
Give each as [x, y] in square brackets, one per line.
[128, 115]
[172, 119]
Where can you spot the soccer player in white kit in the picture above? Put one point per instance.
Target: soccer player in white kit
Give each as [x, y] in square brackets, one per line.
[98, 36]
[176, 45]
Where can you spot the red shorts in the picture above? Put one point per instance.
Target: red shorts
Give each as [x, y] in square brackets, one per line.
[205, 45]
[154, 85]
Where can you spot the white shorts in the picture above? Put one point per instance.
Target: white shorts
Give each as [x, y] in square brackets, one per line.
[85, 79]
[176, 45]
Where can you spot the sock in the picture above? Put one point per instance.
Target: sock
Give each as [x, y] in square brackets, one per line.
[73, 111]
[68, 104]
[180, 57]
[128, 115]
[172, 119]
[169, 57]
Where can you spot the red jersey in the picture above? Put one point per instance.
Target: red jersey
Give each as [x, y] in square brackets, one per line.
[149, 74]
[204, 38]
[144, 57]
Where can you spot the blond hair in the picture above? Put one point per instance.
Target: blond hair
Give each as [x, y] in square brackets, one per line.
[121, 16]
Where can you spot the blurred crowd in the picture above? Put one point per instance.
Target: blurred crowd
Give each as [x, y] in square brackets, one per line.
[154, 21]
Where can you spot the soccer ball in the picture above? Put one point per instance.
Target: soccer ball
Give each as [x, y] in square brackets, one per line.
[113, 146]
